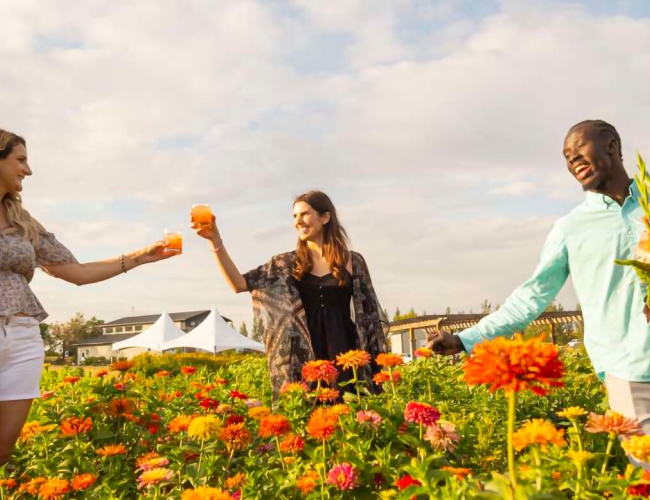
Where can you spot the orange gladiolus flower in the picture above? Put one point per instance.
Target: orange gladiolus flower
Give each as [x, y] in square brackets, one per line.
[74, 426]
[53, 489]
[307, 482]
[353, 359]
[111, 450]
[274, 426]
[389, 360]
[515, 365]
[614, 423]
[320, 370]
[235, 436]
[322, 424]
[206, 493]
[180, 423]
[292, 444]
[122, 366]
[540, 432]
[83, 481]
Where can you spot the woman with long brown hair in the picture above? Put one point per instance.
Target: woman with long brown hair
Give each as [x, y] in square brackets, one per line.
[315, 302]
[24, 245]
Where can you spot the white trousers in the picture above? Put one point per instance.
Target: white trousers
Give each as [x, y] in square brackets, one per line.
[21, 358]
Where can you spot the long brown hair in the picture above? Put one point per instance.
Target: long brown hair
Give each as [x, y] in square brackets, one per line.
[17, 216]
[335, 239]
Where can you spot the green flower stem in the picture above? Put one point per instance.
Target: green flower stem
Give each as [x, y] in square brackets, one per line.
[356, 383]
[578, 435]
[277, 443]
[608, 451]
[198, 470]
[512, 402]
[538, 464]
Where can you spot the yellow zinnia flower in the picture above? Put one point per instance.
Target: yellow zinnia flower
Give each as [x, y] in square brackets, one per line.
[205, 427]
[572, 413]
[638, 447]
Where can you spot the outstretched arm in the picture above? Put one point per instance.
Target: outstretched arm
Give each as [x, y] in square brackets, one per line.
[227, 267]
[523, 306]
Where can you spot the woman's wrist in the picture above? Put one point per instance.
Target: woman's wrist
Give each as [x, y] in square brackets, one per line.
[134, 260]
[216, 242]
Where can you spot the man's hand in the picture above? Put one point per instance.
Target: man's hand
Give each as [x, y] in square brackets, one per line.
[444, 343]
[646, 312]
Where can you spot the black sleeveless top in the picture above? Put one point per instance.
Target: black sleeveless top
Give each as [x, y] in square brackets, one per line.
[327, 307]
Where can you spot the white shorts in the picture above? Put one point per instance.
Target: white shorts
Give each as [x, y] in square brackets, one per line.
[21, 358]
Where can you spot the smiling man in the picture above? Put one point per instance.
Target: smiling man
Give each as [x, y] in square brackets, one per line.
[585, 243]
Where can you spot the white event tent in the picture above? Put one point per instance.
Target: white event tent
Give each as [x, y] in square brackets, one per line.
[214, 335]
[153, 338]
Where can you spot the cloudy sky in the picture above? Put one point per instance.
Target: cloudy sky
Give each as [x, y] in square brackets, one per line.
[435, 125]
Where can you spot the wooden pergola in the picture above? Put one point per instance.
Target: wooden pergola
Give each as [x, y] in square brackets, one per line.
[455, 322]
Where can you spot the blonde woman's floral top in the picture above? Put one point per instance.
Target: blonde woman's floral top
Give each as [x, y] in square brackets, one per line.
[277, 303]
[18, 259]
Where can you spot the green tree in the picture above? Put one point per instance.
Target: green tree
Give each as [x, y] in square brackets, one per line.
[61, 336]
[243, 329]
[398, 315]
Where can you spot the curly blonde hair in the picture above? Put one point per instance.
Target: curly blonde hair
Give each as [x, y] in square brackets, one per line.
[18, 218]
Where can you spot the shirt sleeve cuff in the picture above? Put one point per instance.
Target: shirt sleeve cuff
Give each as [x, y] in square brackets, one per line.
[470, 338]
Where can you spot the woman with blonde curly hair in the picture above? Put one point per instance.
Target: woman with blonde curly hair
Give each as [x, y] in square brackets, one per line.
[24, 245]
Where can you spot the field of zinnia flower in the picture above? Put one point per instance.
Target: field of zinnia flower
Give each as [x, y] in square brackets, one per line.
[518, 419]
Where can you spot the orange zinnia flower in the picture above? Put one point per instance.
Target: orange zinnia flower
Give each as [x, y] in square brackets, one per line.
[540, 432]
[162, 373]
[101, 373]
[320, 371]
[322, 424]
[121, 407]
[53, 489]
[122, 366]
[289, 387]
[292, 444]
[146, 458]
[188, 370]
[31, 487]
[74, 426]
[236, 481]
[384, 376]
[8, 484]
[614, 423]
[460, 472]
[111, 450]
[206, 493]
[353, 359]
[180, 423]
[236, 436]
[389, 360]
[515, 365]
[307, 482]
[328, 395]
[153, 477]
[31, 429]
[71, 380]
[83, 481]
[274, 426]
[423, 352]
[340, 409]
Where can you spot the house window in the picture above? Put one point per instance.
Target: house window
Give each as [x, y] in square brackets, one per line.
[138, 328]
[109, 330]
[128, 328]
[190, 323]
[119, 329]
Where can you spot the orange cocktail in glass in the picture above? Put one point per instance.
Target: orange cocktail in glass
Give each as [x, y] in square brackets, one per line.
[173, 242]
[201, 215]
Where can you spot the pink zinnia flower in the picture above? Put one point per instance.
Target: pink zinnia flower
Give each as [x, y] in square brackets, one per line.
[344, 476]
[443, 436]
[369, 417]
[421, 413]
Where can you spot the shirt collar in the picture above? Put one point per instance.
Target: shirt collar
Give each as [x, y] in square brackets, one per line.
[599, 199]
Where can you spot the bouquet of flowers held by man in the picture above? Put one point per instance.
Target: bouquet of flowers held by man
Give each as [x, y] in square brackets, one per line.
[641, 260]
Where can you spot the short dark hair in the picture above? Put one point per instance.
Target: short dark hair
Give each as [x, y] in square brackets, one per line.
[603, 128]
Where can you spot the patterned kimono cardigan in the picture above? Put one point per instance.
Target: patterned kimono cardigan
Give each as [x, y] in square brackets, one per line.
[276, 302]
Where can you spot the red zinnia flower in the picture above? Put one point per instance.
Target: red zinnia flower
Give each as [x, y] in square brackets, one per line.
[235, 419]
[71, 380]
[188, 370]
[515, 365]
[421, 413]
[292, 444]
[321, 370]
[405, 481]
[238, 395]
[344, 476]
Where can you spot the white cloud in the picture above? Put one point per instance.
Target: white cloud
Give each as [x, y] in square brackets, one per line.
[443, 154]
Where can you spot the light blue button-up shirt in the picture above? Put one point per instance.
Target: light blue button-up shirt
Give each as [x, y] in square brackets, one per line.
[585, 244]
